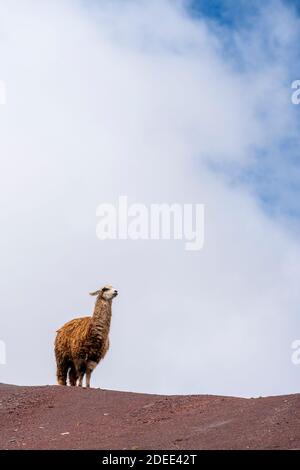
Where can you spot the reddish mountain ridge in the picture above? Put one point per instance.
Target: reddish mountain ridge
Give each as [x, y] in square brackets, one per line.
[54, 417]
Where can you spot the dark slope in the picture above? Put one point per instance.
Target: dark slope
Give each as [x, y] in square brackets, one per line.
[55, 417]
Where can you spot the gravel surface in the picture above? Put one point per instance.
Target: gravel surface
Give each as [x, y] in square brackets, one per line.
[54, 417]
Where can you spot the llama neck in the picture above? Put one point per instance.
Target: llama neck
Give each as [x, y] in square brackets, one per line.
[102, 316]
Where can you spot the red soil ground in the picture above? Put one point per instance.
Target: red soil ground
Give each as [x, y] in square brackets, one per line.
[55, 417]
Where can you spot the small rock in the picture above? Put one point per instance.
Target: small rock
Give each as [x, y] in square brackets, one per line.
[64, 433]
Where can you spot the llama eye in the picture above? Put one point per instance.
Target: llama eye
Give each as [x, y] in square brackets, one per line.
[104, 289]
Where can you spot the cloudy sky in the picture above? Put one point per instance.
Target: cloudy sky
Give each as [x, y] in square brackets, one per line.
[163, 101]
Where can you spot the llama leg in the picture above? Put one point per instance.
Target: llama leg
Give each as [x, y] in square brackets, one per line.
[73, 375]
[89, 369]
[88, 377]
[80, 380]
[81, 369]
[61, 373]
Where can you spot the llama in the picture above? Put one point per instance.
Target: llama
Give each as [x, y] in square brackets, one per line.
[81, 343]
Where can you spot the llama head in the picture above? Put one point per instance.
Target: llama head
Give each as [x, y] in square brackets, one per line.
[107, 292]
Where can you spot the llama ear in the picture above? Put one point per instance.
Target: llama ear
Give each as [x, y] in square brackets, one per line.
[97, 292]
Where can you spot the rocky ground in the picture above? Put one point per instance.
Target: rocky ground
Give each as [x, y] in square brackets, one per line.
[53, 417]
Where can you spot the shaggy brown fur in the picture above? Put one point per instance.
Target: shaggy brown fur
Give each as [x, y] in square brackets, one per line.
[81, 343]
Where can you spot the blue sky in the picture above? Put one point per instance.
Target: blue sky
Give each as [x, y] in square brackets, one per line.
[226, 11]
[232, 12]
[273, 175]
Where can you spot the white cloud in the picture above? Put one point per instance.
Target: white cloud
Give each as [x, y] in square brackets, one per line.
[136, 98]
